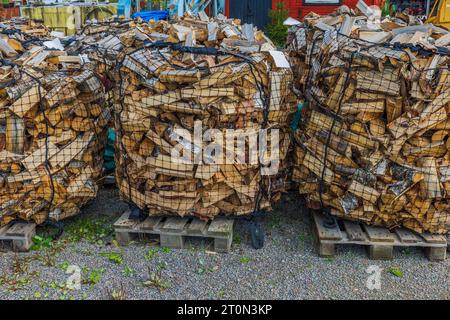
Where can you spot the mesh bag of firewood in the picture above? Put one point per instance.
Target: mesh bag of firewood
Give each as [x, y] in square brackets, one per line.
[52, 134]
[374, 143]
[202, 131]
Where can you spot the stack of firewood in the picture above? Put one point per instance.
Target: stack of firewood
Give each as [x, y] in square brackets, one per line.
[374, 140]
[101, 42]
[24, 29]
[177, 109]
[52, 128]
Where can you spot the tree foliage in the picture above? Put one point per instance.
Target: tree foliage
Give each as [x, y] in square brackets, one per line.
[276, 31]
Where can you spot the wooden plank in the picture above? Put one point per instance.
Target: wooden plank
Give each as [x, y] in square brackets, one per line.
[20, 229]
[406, 236]
[354, 231]
[149, 223]
[196, 226]
[434, 238]
[124, 221]
[174, 224]
[379, 234]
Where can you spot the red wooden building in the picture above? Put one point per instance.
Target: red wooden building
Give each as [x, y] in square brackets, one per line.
[256, 11]
[300, 8]
[8, 13]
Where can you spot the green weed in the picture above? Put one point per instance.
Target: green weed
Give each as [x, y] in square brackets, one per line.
[91, 229]
[128, 271]
[156, 281]
[396, 271]
[41, 242]
[92, 276]
[114, 257]
[245, 259]
[116, 293]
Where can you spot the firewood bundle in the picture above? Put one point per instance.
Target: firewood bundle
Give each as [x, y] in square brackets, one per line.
[374, 140]
[194, 100]
[23, 30]
[52, 132]
[101, 42]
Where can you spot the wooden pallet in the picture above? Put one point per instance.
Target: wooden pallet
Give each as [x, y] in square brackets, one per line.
[173, 231]
[381, 241]
[18, 235]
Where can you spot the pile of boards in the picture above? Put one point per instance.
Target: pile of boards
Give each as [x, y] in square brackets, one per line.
[175, 105]
[374, 140]
[53, 122]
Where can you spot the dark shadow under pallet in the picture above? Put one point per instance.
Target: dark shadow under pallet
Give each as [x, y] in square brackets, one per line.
[380, 241]
[174, 231]
[17, 236]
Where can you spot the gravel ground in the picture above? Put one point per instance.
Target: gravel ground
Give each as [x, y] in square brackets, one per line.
[286, 268]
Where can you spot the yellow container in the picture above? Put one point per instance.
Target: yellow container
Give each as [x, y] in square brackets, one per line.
[68, 18]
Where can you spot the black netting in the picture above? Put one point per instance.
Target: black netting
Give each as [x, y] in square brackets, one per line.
[53, 120]
[374, 143]
[190, 120]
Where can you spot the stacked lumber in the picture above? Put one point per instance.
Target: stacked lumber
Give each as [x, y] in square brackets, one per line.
[52, 130]
[165, 92]
[374, 140]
